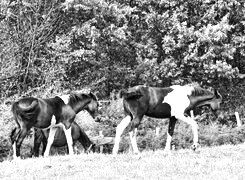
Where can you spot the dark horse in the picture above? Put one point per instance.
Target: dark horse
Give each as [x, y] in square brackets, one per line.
[173, 102]
[77, 134]
[48, 114]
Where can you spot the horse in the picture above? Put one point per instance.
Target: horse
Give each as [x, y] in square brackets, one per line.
[78, 134]
[49, 113]
[174, 102]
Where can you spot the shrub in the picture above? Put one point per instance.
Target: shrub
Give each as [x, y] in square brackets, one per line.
[212, 131]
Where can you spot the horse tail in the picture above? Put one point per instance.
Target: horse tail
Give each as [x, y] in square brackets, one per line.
[130, 94]
[39, 138]
[23, 110]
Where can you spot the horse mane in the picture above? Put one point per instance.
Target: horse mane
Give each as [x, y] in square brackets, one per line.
[198, 91]
[73, 98]
[135, 94]
[93, 96]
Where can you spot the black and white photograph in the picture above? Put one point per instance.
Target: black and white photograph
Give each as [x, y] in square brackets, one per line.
[122, 89]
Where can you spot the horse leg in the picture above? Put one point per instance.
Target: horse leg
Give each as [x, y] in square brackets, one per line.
[36, 147]
[172, 122]
[67, 149]
[132, 135]
[69, 139]
[73, 147]
[13, 137]
[19, 140]
[50, 140]
[194, 126]
[44, 141]
[119, 130]
[133, 132]
[37, 142]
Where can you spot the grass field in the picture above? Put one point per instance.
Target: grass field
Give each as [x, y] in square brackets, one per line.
[223, 162]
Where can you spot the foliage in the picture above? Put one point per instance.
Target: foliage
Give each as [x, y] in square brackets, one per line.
[212, 132]
[108, 45]
[209, 136]
[25, 61]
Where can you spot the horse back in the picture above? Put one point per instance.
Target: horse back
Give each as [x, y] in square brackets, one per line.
[156, 107]
[147, 102]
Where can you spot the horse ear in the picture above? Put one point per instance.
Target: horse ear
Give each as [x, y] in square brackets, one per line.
[216, 93]
[91, 94]
[122, 93]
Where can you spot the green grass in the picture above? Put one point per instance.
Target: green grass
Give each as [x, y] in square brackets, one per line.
[223, 162]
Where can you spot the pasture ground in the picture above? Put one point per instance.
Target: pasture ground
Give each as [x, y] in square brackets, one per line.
[221, 162]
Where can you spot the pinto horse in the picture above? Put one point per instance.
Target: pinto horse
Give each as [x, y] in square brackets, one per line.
[77, 133]
[173, 102]
[49, 114]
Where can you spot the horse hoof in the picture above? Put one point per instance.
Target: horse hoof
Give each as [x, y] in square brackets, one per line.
[138, 156]
[167, 152]
[45, 155]
[114, 155]
[194, 147]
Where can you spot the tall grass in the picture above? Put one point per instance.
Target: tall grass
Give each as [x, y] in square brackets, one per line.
[223, 162]
[212, 132]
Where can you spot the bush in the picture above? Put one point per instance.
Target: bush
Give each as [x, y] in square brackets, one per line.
[212, 131]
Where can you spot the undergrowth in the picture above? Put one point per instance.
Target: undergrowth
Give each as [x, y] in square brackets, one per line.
[212, 131]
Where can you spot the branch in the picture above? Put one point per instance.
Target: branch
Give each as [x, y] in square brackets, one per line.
[10, 77]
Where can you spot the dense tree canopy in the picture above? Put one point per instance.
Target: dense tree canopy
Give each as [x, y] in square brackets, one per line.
[111, 44]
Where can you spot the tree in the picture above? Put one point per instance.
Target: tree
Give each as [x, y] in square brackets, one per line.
[108, 45]
[25, 61]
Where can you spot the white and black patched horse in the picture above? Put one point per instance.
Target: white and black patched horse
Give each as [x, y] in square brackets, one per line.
[48, 114]
[173, 102]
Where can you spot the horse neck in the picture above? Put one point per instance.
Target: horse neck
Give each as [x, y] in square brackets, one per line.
[77, 107]
[85, 141]
[202, 101]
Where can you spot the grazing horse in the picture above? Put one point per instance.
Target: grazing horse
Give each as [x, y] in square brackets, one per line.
[77, 134]
[49, 114]
[173, 102]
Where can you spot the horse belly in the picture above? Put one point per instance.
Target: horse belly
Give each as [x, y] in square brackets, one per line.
[162, 110]
[43, 122]
[177, 101]
[59, 138]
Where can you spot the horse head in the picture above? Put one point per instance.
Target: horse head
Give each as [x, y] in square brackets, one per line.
[85, 101]
[93, 105]
[216, 101]
[206, 97]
